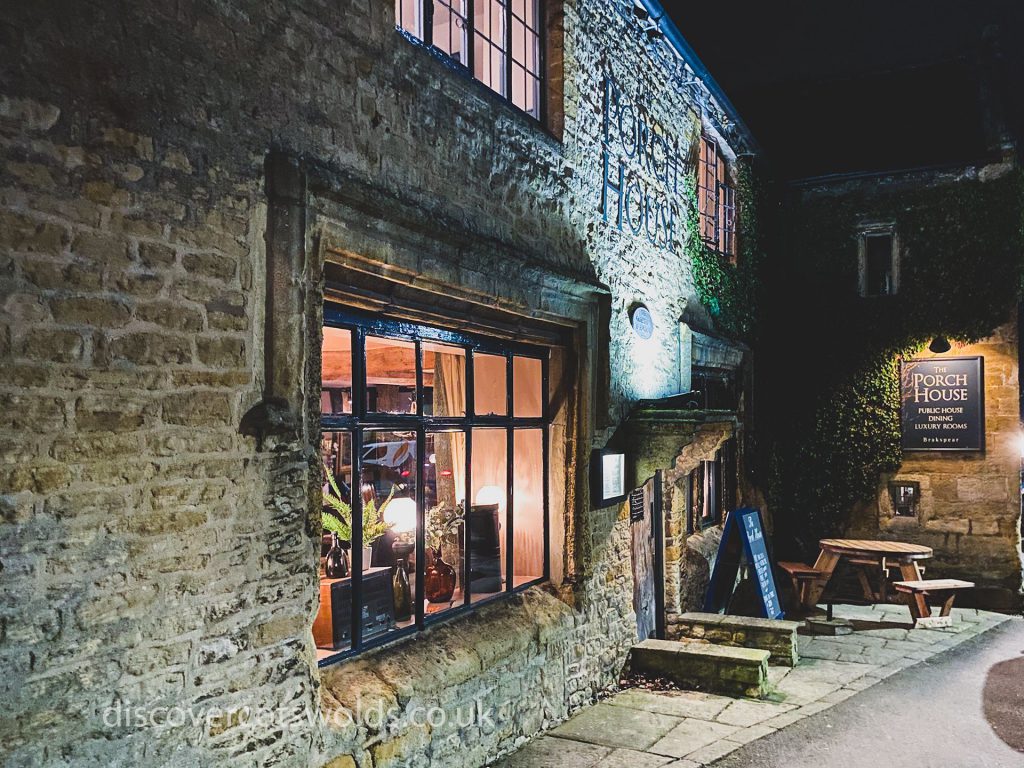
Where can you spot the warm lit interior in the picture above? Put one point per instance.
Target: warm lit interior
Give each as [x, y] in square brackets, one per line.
[391, 478]
[496, 63]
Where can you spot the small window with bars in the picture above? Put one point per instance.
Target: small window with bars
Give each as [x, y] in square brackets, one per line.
[497, 41]
[716, 200]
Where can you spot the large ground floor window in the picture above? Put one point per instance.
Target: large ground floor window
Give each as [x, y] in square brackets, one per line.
[435, 453]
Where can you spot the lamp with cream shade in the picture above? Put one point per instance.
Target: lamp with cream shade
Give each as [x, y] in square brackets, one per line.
[400, 514]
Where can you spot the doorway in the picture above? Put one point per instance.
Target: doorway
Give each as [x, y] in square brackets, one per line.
[647, 543]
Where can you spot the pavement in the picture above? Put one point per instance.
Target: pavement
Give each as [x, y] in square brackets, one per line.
[962, 709]
[832, 709]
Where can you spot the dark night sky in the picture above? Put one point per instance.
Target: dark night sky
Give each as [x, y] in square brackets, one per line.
[863, 85]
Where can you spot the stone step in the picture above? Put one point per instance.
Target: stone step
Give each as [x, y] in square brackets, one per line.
[776, 636]
[699, 666]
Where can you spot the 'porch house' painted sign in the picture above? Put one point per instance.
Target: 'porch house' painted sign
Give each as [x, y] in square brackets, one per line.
[943, 404]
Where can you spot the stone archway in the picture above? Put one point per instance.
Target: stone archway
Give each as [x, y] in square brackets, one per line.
[670, 444]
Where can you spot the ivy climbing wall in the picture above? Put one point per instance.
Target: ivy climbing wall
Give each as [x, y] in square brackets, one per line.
[829, 360]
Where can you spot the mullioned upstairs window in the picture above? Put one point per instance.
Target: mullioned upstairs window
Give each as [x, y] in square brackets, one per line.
[498, 42]
[716, 200]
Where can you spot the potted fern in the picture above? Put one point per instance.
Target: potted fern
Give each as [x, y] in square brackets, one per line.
[338, 519]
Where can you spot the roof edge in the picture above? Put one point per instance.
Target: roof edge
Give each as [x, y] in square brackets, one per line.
[675, 38]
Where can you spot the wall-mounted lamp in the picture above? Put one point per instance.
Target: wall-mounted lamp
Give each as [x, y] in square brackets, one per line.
[939, 345]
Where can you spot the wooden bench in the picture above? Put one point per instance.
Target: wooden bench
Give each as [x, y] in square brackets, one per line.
[918, 593]
[801, 576]
[865, 566]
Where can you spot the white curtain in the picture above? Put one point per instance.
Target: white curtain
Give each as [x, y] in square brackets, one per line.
[450, 400]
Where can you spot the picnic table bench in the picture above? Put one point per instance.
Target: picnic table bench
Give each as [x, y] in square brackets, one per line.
[919, 592]
[874, 560]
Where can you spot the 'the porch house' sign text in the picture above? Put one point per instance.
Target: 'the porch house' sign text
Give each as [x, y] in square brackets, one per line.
[641, 165]
[943, 404]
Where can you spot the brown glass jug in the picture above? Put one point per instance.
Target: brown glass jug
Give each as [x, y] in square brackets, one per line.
[439, 579]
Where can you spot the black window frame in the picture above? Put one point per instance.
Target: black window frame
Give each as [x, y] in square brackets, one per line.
[468, 68]
[362, 420]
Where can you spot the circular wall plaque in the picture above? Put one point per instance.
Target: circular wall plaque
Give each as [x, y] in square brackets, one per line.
[643, 323]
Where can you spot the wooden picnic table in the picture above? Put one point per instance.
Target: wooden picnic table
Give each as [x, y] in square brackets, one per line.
[868, 553]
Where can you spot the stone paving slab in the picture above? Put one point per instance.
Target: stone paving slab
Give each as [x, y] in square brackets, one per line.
[630, 758]
[690, 736]
[552, 752]
[703, 706]
[744, 713]
[611, 726]
[685, 729]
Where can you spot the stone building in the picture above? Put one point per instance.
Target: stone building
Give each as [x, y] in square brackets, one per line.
[448, 257]
[913, 253]
[905, 279]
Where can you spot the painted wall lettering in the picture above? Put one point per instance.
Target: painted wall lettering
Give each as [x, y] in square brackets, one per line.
[641, 166]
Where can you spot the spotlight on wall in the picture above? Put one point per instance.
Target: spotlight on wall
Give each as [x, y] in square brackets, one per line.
[939, 345]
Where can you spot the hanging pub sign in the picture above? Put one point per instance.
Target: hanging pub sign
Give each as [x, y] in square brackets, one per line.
[943, 404]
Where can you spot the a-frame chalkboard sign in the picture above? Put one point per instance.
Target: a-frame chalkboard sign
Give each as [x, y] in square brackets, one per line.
[743, 535]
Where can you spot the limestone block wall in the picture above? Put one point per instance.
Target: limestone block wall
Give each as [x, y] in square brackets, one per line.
[159, 578]
[689, 557]
[970, 502]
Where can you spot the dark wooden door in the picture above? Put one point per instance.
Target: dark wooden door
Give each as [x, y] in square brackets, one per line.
[642, 532]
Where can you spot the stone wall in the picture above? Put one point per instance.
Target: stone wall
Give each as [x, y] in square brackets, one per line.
[969, 510]
[689, 557]
[154, 557]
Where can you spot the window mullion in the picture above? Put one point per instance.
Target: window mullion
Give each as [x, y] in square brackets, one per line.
[468, 502]
[509, 502]
[507, 4]
[541, 20]
[356, 552]
[509, 475]
[419, 379]
[428, 22]
[421, 548]
[718, 212]
[545, 491]
[470, 33]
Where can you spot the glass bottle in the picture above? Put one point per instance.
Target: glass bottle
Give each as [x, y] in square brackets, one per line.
[336, 566]
[403, 592]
